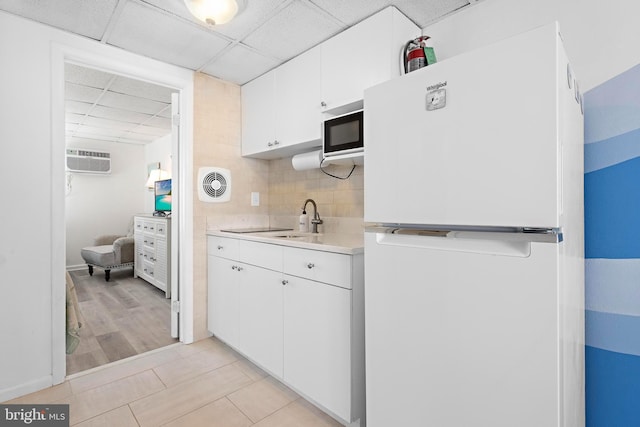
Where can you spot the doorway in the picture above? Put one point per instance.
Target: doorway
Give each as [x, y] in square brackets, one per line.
[118, 138]
[128, 65]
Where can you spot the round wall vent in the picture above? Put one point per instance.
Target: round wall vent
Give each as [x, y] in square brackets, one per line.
[214, 184]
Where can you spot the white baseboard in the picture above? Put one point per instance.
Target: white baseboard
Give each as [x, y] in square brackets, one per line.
[26, 388]
[76, 267]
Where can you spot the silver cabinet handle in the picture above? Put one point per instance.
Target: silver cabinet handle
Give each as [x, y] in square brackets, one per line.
[233, 267]
[284, 282]
[240, 268]
[269, 144]
[220, 247]
[276, 142]
[323, 104]
[310, 265]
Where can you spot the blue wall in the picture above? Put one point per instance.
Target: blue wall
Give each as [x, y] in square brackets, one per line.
[612, 248]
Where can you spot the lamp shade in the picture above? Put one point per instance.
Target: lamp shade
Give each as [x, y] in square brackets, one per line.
[157, 175]
[214, 12]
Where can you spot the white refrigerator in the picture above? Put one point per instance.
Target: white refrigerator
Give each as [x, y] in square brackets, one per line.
[474, 259]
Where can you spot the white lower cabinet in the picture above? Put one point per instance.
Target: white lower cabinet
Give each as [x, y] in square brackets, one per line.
[260, 317]
[317, 342]
[223, 299]
[297, 313]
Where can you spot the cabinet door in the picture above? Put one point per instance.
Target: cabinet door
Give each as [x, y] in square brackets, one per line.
[260, 317]
[162, 264]
[258, 114]
[317, 337]
[364, 55]
[222, 299]
[298, 99]
[139, 250]
[354, 60]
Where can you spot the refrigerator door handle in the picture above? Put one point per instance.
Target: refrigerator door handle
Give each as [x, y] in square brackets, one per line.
[513, 244]
[526, 234]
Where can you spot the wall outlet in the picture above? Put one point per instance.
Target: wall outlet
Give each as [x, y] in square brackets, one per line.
[255, 198]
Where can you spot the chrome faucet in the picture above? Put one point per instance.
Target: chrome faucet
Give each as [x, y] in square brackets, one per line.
[316, 216]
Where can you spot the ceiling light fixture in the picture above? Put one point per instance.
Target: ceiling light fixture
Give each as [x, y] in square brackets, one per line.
[215, 12]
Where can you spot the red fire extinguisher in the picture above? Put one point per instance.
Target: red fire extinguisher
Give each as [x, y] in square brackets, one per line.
[417, 54]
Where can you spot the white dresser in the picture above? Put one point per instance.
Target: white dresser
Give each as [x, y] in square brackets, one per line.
[153, 250]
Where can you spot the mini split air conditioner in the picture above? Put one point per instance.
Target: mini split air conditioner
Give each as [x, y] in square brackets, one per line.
[214, 184]
[88, 161]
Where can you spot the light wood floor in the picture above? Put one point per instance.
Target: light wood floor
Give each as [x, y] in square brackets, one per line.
[202, 384]
[121, 318]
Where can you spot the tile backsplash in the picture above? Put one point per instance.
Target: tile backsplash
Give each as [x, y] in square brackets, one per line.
[336, 199]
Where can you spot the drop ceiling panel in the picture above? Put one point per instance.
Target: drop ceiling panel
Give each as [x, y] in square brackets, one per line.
[132, 103]
[148, 31]
[136, 137]
[73, 118]
[160, 122]
[141, 89]
[245, 22]
[149, 130]
[101, 123]
[419, 11]
[86, 76]
[256, 13]
[94, 132]
[310, 25]
[75, 92]
[425, 12]
[352, 11]
[87, 18]
[240, 65]
[78, 107]
[119, 114]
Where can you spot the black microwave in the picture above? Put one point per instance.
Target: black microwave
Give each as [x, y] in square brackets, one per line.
[344, 134]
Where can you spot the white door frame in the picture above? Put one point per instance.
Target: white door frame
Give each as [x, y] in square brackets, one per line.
[123, 63]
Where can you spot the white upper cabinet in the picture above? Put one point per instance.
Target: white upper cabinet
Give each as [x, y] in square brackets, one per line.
[298, 99]
[258, 114]
[364, 55]
[281, 109]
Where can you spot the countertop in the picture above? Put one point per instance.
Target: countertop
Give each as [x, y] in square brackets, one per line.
[343, 243]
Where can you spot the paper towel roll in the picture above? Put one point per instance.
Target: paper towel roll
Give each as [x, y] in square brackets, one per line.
[306, 161]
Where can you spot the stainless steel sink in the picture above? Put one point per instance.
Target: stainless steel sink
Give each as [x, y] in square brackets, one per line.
[296, 235]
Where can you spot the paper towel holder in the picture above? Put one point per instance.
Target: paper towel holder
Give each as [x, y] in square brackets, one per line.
[308, 160]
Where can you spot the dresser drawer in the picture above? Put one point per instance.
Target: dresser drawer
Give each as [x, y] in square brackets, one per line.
[161, 230]
[149, 242]
[327, 267]
[222, 247]
[138, 225]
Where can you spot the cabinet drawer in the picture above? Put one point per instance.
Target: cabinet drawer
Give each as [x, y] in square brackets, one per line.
[222, 247]
[149, 255]
[148, 227]
[261, 254]
[161, 229]
[149, 241]
[138, 225]
[148, 269]
[327, 267]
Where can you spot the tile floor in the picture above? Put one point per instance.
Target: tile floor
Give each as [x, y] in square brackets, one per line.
[202, 384]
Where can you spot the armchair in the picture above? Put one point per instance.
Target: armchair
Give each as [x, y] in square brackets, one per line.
[109, 253]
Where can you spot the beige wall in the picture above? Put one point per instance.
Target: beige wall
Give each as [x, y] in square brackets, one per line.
[217, 142]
